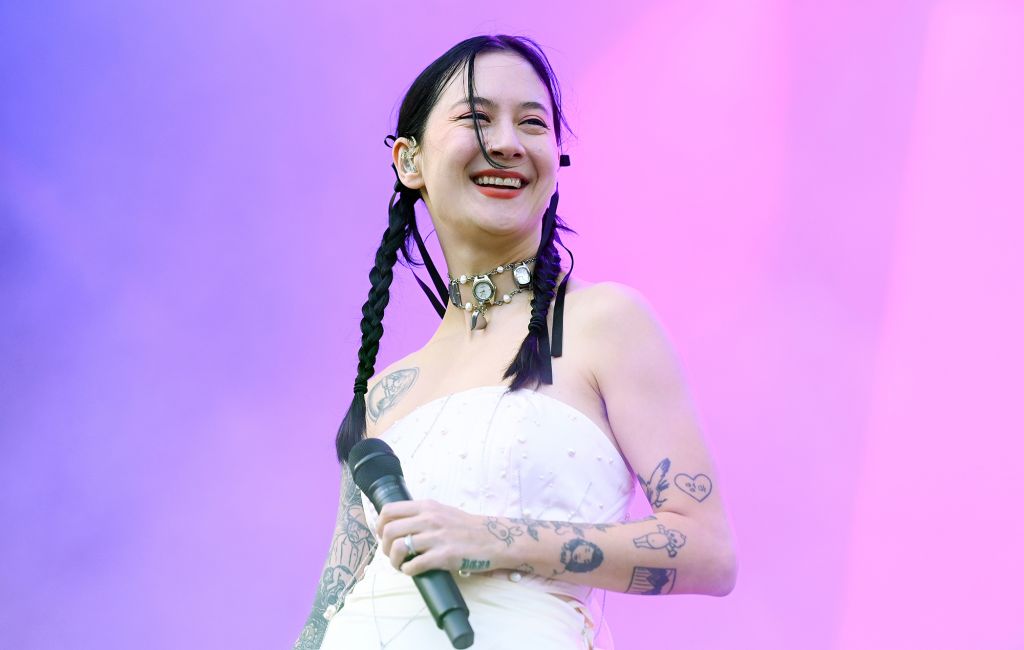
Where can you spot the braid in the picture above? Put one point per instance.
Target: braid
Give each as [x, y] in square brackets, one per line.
[526, 366]
[401, 217]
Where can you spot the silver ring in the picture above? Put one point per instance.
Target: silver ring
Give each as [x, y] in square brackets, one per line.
[408, 544]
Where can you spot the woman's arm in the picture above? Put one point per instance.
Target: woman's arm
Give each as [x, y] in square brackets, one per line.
[663, 554]
[351, 549]
[666, 553]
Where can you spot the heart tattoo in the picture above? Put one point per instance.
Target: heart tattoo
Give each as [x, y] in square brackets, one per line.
[698, 487]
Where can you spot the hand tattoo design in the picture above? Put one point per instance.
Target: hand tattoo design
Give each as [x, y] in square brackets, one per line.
[386, 392]
[474, 565]
[505, 533]
[656, 484]
[650, 581]
[671, 540]
[698, 487]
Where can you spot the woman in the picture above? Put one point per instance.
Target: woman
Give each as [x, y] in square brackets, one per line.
[520, 472]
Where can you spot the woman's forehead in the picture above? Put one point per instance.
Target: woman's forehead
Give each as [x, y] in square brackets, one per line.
[500, 79]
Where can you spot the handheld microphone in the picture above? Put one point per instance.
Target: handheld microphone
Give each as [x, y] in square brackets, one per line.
[378, 473]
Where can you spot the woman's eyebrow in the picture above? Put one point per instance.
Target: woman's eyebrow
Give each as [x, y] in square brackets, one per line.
[487, 103]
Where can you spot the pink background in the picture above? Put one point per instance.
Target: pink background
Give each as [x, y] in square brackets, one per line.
[823, 200]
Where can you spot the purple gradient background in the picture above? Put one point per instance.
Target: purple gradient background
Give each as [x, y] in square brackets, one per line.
[822, 200]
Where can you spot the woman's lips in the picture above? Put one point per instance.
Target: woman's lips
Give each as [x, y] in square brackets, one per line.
[496, 192]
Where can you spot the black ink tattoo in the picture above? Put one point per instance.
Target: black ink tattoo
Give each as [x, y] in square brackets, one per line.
[525, 568]
[580, 556]
[558, 527]
[656, 484]
[351, 548]
[505, 533]
[650, 581]
[475, 565]
[698, 487]
[671, 540]
[386, 392]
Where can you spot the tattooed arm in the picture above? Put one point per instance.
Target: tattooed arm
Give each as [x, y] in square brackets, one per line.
[655, 424]
[351, 549]
[664, 554]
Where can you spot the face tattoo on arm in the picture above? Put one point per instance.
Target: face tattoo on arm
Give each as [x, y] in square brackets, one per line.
[580, 556]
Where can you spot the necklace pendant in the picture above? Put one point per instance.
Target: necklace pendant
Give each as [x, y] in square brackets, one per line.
[455, 294]
[479, 321]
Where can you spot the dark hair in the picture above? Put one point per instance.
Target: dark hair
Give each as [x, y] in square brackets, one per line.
[529, 363]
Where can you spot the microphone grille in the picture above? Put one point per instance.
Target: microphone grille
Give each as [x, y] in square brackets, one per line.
[371, 459]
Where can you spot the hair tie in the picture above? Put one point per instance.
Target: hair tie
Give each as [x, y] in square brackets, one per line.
[537, 324]
[360, 387]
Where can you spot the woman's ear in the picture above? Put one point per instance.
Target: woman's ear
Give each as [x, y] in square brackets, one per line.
[405, 153]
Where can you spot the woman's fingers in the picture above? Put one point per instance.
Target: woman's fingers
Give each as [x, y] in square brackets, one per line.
[418, 565]
[391, 535]
[400, 551]
[402, 510]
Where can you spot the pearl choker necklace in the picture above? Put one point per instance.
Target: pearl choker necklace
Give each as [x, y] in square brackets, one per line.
[486, 293]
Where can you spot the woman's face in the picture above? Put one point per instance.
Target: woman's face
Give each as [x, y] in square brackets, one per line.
[516, 122]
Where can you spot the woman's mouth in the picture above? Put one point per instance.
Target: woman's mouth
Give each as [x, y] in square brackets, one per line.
[500, 185]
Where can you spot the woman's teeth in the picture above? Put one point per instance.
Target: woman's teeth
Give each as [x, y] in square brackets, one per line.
[501, 182]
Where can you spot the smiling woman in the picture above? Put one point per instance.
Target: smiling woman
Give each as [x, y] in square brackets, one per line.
[518, 451]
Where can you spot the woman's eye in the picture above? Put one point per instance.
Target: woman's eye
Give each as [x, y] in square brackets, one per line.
[536, 122]
[469, 116]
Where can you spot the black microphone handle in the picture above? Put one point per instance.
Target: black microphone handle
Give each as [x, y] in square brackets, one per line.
[437, 587]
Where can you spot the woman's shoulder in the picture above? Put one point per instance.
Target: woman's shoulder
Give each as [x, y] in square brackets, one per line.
[607, 303]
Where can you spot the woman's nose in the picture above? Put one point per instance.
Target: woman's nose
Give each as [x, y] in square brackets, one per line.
[503, 142]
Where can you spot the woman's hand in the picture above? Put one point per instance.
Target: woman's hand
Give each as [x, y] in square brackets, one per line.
[442, 536]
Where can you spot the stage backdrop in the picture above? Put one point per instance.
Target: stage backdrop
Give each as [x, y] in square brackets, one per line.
[822, 200]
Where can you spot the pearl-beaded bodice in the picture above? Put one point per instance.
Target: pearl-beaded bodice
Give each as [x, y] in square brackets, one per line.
[521, 454]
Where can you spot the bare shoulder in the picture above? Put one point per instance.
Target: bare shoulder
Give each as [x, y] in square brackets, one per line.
[610, 308]
[627, 343]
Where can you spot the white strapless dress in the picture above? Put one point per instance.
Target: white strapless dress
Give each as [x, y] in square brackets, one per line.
[490, 452]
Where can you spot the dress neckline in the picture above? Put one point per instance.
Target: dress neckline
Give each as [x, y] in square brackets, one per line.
[492, 387]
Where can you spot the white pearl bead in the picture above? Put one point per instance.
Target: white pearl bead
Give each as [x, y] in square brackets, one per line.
[572, 452]
[468, 306]
[507, 298]
[500, 269]
[515, 576]
[462, 279]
